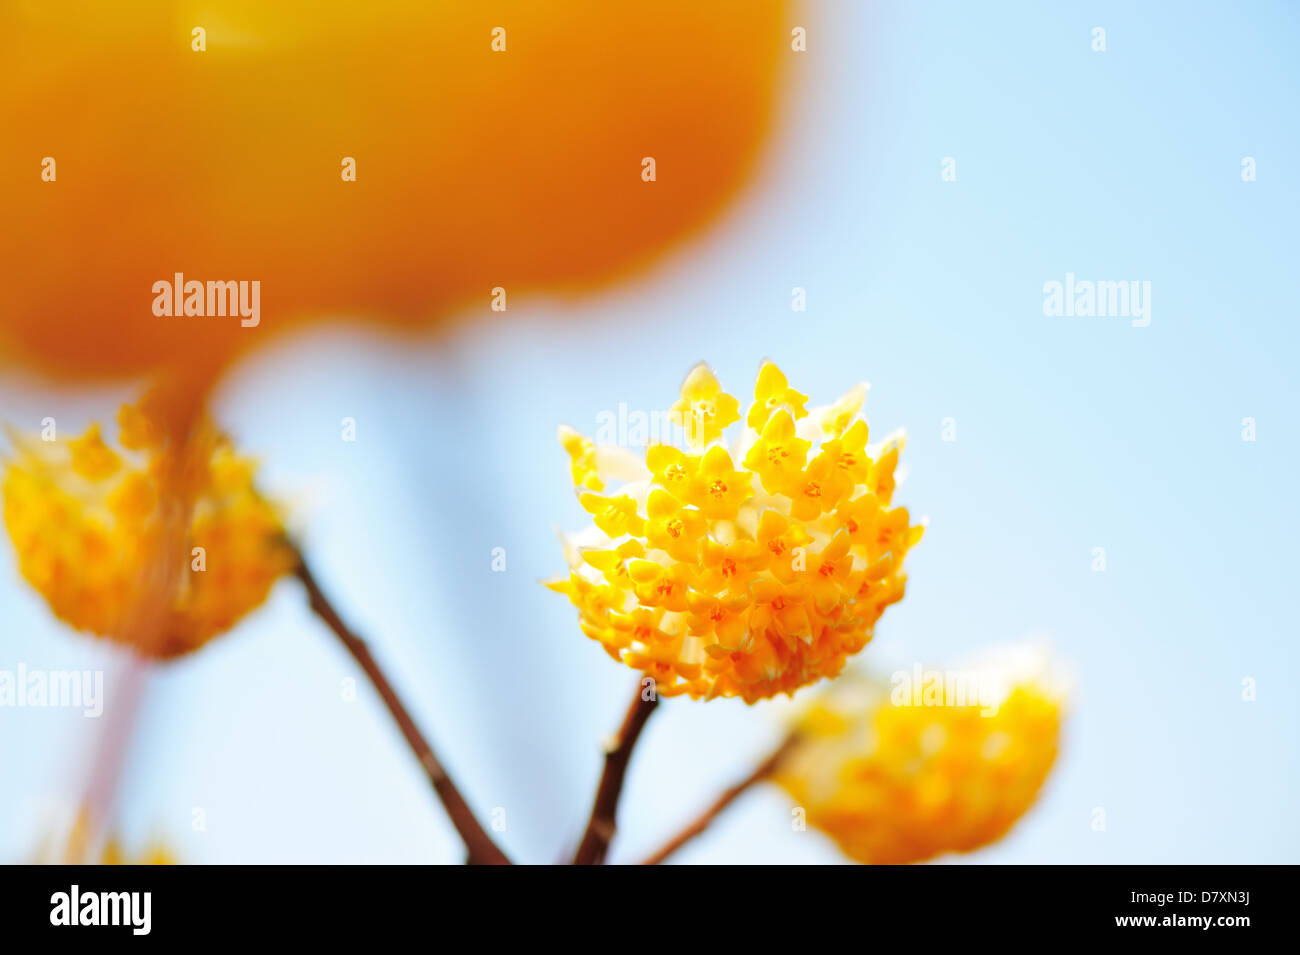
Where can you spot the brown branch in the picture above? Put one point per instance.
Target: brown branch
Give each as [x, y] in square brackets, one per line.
[702, 822]
[117, 731]
[482, 850]
[600, 828]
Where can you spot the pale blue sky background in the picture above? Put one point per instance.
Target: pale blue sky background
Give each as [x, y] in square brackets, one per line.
[1071, 434]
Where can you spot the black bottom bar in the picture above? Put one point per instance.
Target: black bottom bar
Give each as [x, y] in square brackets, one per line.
[933, 902]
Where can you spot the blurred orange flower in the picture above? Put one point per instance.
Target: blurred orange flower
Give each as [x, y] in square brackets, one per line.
[160, 544]
[892, 782]
[496, 144]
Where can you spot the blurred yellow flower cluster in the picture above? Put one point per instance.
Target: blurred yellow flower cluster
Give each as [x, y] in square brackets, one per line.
[161, 544]
[895, 784]
[156, 854]
[79, 846]
[744, 570]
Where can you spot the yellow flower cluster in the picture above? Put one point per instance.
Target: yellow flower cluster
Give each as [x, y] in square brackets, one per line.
[747, 570]
[161, 545]
[896, 784]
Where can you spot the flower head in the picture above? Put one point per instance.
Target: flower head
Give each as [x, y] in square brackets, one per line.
[744, 570]
[895, 779]
[161, 543]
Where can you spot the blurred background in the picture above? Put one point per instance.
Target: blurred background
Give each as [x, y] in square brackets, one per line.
[1070, 434]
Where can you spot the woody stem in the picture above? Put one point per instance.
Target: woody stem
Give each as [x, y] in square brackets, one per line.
[730, 795]
[601, 826]
[482, 850]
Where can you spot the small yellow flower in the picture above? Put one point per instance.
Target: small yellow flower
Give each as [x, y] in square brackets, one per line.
[673, 528]
[704, 409]
[161, 545]
[718, 489]
[848, 454]
[746, 581]
[779, 455]
[615, 516]
[836, 419]
[893, 780]
[672, 468]
[582, 458]
[772, 392]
